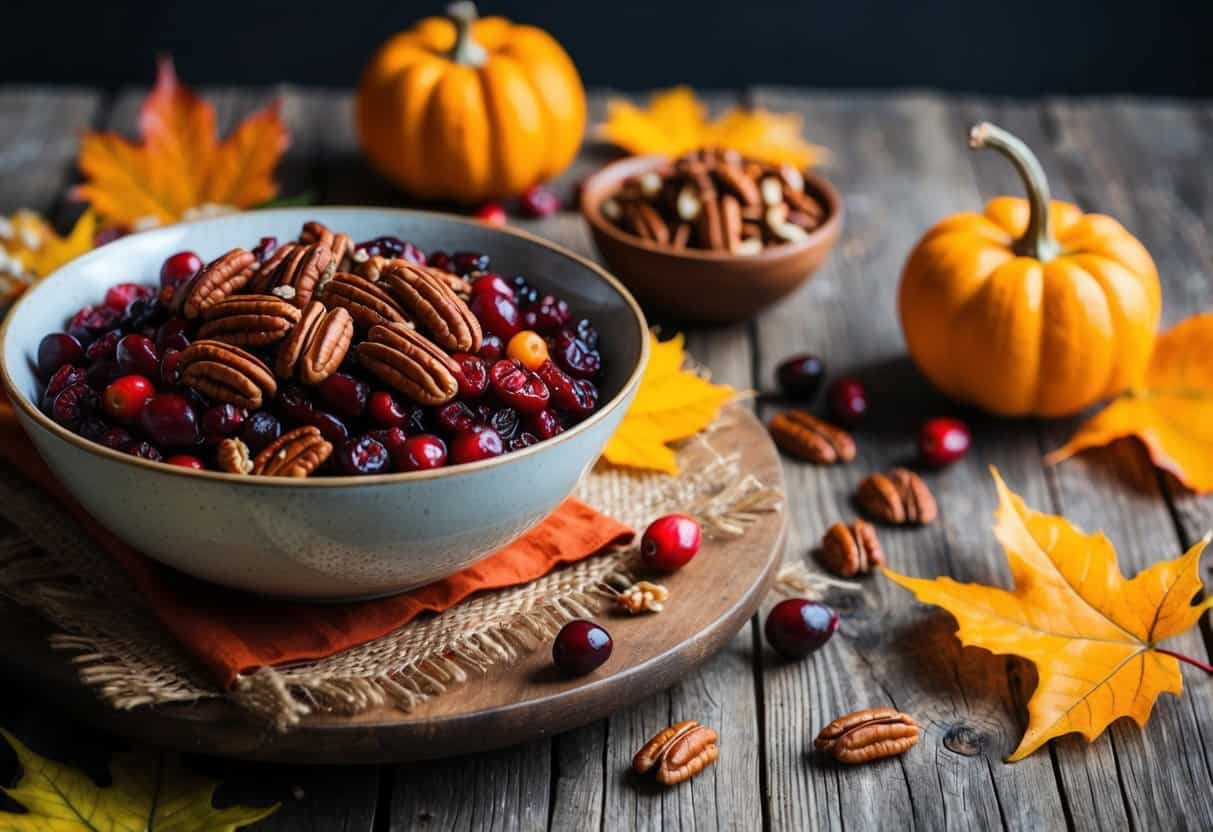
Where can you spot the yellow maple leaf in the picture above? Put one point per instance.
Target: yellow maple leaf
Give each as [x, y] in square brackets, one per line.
[150, 790]
[673, 403]
[180, 167]
[1091, 633]
[30, 249]
[676, 122]
[1171, 411]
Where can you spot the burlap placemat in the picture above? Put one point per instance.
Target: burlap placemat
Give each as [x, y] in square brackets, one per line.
[126, 657]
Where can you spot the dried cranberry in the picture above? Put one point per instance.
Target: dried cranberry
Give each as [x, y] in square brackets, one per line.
[385, 410]
[294, 406]
[440, 260]
[576, 356]
[391, 438]
[498, 315]
[362, 456]
[168, 419]
[173, 334]
[421, 453]
[116, 438]
[345, 394]
[550, 314]
[545, 424]
[473, 375]
[144, 450]
[454, 417]
[121, 295]
[65, 376]
[519, 387]
[223, 420]
[581, 647]
[124, 399]
[539, 202]
[492, 348]
[331, 427]
[577, 396]
[74, 403]
[186, 461]
[484, 412]
[491, 283]
[92, 428]
[466, 262]
[475, 445]
[523, 440]
[259, 430]
[137, 354]
[56, 350]
[181, 266]
[91, 321]
[505, 422]
[264, 248]
[199, 402]
[104, 348]
[101, 374]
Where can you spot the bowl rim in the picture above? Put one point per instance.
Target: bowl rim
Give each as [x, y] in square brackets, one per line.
[592, 211]
[21, 401]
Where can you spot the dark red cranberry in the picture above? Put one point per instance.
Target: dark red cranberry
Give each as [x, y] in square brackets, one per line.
[848, 401]
[170, 367]
[56, 350]
[498, 315]
[181, 266]
[104, 348]
[137, 354]
[491, 348]
[490, 213]
[91, 321]
[65, 376]
[800, 377]
[385, 410]
[116, 438]
[393, 439]
[473, 375]
[466, 262]
[576, 356]
[420, 453]
[101, 374]
[476, 444]
[74, 404]
[186, 461]
[259, 430]
[581, 647]
[144, 450]
[577, 396]
[523, 440]
[223, 420]
[362, 456]
[492, 283]
[519, 387]
[330, 426]
[943, 441]
[440, 260]
[550, 314]
[454, 417]
[539, 202]
[670, 542]
[505, 422]
[121, 295]
[173, 334]
[144, 315]
[169, 420]
[124, 398]
[294, 406]
[545, 424]
[345, 394]
[264, 248]
[797, 627]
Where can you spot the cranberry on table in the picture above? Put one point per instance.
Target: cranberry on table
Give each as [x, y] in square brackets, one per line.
[475, 445]
[797, 627]
[497, 314]
[137, 354]
[181, 266]
[538, 201]
[848, 400]
[385, 410]
[528, 348]
[169, 420]
[942, 441]
[800, 377]
[473, 375]
[362, 456]
[581, 647]
[186, 461]
[345, 394]
[519, 387]
[123, 400]
[260, 429]
[491, 213]
[669, 543]
[422, 452]
[56, 350]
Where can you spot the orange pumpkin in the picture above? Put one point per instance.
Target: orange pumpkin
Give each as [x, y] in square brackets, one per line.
[469, 110]
[1032, 307]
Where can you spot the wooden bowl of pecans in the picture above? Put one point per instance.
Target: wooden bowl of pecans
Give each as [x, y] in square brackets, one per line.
[710, 236]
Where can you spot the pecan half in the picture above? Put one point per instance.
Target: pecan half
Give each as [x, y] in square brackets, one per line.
[868, 735]
[299, 270]
[233, 457]
[850, 550]
[315, 232]
[327, 345]
[223, 276]
[227, 374]
[294, 454]
[899, 497]
[805, 436]
[432, 305]
[292, 348]
[249, 320]
[677, 753]
[407, 361]
[263, 278]
[370, 266]
[366, 302]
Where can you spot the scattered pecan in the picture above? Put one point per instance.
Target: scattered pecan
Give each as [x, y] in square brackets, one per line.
[809, 438]
[643, 597]
[677, 753]
[899, 497]
[432, 305]
[223, 276]
[294, 454]
[366, 302]
[868, 735]
[249, 320]
[227, 374]
[234, 457]
[292, 348]
[407, 361]
[850, 550]
[327, 345]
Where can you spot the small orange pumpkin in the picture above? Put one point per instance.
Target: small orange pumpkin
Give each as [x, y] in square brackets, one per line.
[469, 110]
[1032, 307]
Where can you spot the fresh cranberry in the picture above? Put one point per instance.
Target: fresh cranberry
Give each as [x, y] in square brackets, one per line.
[91, 321]
[116, 438]
[173, 334]
[441, 260]
[144, 450]
[545, 424]
[264, 248]
[848, 401]
[362, 456]
[476, 444]
[170, 367]
[576, 356]
[181, 266]
[491, 213]
[393, 439]
[670, 542]
[454, 417]
[539, 202]
[124, 399]
[581, 647]
[385, 410]
[578, 396]
[65, 376]
[169, 420]
[518, 387]
[259, 430]
[492, 348]
[942, 441]
[498, 315]
[491, 283]
[800, 377]
[797, 627]
[466, 262]
[505, 422]
[186, 461]
[104, 348]
[420, 453]
[137, 354]
[294, 406]
[57, 349]
[473, 375]
[331, 427]
[223, 420]
[523, 440]
[550, 314]
[121, 295]
[101, 374]
[345, 394]
[74, 403]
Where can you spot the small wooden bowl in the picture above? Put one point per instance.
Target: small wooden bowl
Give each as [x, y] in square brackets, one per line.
[698, 285]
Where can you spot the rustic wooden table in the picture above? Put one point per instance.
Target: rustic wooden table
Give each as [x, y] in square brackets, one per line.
[901, 162]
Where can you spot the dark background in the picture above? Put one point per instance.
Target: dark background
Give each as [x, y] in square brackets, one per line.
[1020, 47]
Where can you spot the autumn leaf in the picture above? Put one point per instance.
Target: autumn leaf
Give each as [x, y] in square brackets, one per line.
[180, 169]
[1171, 412]
[150, 790]
[30, 250]
[1091, 633]
[676, 122]
[673, 403]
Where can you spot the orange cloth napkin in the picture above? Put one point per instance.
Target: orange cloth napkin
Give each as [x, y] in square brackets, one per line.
[230, 632]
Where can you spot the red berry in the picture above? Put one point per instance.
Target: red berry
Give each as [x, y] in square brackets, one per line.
[519, 387]
[181, 266]
[473, 375]
[169, 420]
[491, 283]
[670, 542]
[800, 377]
[145, 450]
[464, 263]
[550, 314]
[91, 321]
[186, 461]
[222, 420]
[120, 296]
[65, 376]
[170, 367]
[102, 374]
[942, 441]
[454, 417]
[581, 647]
[345, 394]
[476, 444]
[848, 401]
[260, 429]
[173, 334]
[523, 440]
[362, 456]
[116, 438]
[330, 427]
[492, 348]
[124, 398]
[137, 354]
[420, 453]
[578, 397]
[497, 314]
[74, 404]
[264, 248]
[491, 213]
[385, 410]
[797, 627]
[539, 202]
[545, 424]
[56, 350]
[104, 348]
[576, 355]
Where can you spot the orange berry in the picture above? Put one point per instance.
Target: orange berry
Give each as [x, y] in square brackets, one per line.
[529, 348]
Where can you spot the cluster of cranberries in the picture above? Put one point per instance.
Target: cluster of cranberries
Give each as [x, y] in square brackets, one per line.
[112, 377]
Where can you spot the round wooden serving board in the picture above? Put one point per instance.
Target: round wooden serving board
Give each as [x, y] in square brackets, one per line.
[709, 602]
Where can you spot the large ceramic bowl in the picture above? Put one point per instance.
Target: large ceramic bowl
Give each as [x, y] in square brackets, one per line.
[325, 538]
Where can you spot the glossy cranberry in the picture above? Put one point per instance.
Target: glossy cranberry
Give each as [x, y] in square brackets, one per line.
[345, 394]
[124, 398]
[491, 213]
[545, 424]
[492, 348]
[385, 410]
[65, 376]
[800, 377]
[576, 356]
[330, 426]
[420, 453]
[492, 283]
[260, 429]
[186, 461]
[362, 456]
[504, 421]
[101, 374]
[498, 315]
[137, 354]
[104, 348]
[170, 367]
[518, 387]
[223, 420]
[91, 321]
[476, 444]
[576, 396]
[473, 375]
[144, 450]
[173, 334]
[942, 441]
[391, 438]
[848, 401]
[581, 647]
[121, 295]
[539, 202]
[116, 438]
[550, 314]
[74, 404]
[670, 542]
[169, 420]
[294, 406]
[454, 417]
[181, 266]
[466, 262]
[264, 248]
[56, 350]
[393, 247]
[441, 260]
[523, 440]
[797, 627]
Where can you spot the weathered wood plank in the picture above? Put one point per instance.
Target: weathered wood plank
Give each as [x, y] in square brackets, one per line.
[39, 130]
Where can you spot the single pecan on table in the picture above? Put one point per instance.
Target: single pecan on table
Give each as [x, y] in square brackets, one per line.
[366, 302]
[899, 497]
[294, 454]
[227, 374]
[677, 753]
[407, 361]
[851, 549]
[215, 281]
[432, 305]
[805, 436]
[249, 320]
[868, 735]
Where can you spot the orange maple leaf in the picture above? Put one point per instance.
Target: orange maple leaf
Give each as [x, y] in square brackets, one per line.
[180, 166]
[1091, 633]
[1171, 411]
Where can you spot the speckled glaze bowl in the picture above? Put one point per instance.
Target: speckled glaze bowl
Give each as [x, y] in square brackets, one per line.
[325, 538]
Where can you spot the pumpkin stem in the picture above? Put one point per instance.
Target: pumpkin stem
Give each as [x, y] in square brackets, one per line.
[1037, 242]
[467, 51]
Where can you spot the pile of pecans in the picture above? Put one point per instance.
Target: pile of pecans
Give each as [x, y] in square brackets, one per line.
[717, 200]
